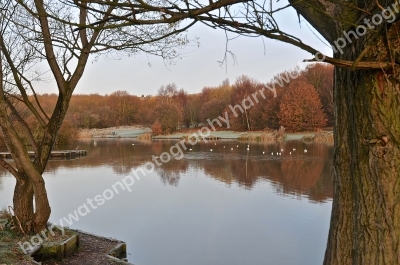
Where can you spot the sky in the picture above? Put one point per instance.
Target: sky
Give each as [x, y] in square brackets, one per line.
[258, 58]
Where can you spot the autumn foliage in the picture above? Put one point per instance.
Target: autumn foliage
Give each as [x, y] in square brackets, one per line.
[156, 128]
[320, 76]
[300, 108]
[169, 116]
[302, 103]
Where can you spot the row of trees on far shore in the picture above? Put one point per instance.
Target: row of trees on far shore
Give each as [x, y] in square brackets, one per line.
[303, 103]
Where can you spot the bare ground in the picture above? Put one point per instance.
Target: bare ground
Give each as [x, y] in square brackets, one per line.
[93, 250]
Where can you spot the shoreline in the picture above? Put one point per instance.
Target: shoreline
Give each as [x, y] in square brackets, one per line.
[144, 133]
[75, 247]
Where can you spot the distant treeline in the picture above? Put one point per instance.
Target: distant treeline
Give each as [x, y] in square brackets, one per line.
[304, 101]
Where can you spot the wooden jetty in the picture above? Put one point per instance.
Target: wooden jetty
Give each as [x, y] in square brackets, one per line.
[62, 154]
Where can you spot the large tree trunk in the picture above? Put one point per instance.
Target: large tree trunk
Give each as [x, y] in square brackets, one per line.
[365, 222]
[23, 203]
[43, 210]
[31, 205]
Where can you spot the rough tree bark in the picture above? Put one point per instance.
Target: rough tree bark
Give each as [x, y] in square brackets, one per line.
[23, 203]
[365, 222]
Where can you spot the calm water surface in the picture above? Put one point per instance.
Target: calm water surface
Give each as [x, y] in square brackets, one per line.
[217, 208]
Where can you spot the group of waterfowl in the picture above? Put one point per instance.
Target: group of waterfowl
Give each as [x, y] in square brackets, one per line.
[290, 153]
[277, 153]
[248, 148]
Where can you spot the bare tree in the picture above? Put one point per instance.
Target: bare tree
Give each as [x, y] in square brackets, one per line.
[63, 34]
[364, 36]
[166, 93]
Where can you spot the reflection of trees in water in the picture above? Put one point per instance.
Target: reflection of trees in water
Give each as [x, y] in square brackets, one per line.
[121, 155]
[169, 177]
[170, 172]
[157, 147]
[297, 175]
[303, 177]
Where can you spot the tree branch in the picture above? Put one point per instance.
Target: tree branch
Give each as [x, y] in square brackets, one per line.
[24, 125]
[18, 82]
[9, 168]
[48, 46]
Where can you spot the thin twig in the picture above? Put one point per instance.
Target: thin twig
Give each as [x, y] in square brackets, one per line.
[16, 217]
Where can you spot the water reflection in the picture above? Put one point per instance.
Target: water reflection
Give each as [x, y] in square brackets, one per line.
[211, 207]
[299, 174]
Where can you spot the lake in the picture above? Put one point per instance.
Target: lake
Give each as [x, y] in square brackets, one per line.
[226, 206]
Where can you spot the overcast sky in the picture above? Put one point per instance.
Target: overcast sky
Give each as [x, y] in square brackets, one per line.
[199, 67]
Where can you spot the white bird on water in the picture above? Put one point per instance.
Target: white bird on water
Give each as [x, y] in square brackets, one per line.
[277, 153]
[281, 150]
[247, 149]
[224, 146]
[190, 149]
[280, 154]
[231, 148]
[237, 146]
[294, 149]
[263, 152]
[305, 150]
[211, 150]
[272, 153]
[133, 144]
[290, 153]
[215, 144]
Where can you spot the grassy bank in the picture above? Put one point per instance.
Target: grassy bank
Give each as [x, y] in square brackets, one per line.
[11, 235]
[144, 133]
[259, 136]
[114, 132]
[10, 253]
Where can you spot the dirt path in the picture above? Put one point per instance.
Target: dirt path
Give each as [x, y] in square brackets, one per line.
[93, 251]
